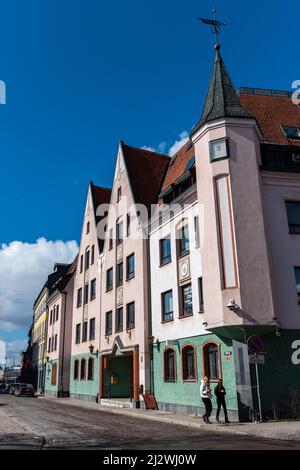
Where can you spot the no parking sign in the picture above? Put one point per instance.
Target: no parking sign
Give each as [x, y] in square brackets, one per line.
[255, 344]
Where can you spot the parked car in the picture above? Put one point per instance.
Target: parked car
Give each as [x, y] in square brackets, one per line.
[12, 388]
[4, 388]
[25, 390]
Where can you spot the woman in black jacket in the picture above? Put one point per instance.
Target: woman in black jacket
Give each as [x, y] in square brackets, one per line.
[220, 393]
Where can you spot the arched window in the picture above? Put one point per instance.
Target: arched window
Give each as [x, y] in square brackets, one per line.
[212, 360]
[170, 365]
[91, 369]
[189, 363]
[76, 368]
[82, 369]
[53, 374]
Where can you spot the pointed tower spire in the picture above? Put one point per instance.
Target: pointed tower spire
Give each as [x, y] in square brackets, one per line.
[222, 99]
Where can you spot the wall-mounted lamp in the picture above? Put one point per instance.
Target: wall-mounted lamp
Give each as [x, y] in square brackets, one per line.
[232, 305]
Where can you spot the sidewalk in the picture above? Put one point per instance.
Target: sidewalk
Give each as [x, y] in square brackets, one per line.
[287, 430]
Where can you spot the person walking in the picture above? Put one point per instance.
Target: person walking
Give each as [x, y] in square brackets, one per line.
[220, 393]
[205, 393]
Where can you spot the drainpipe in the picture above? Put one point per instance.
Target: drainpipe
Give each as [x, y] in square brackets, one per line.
[150, 314]
[101, 261]
[61, 374]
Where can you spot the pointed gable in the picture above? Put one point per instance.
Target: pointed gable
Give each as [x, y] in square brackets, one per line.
[100, 196]
[146, 171]
[222, 99]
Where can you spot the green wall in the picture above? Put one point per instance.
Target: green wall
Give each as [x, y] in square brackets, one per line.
[279, 378]
[84, 387]
[188, 393]
[48, 387]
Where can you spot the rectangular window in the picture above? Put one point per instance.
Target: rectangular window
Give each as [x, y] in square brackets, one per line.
[128, 225]
[111, 239]
[167, 306]
[291, 132]
[201, 299]
[130, 316]
[52, 345]
[119, 273]
[93, 254]
[86, 294]
[184, 240]
[119, 231]
[92, 328]
[49, 345]
[119, 320]
[81, 263]
[108, 323]
[87, 259]
[119, 194]
[197, 231]
[165, 250]
[297, 277]
[79, 297]
[130, 267]
[109, 279]
[84, 331]
[186, 300]
[51, 317]
[93, 289]
[55, 343]
[88, 227]
[57, 310]
[293, 214]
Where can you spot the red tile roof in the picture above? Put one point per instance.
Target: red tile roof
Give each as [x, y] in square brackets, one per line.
[146, 171]
[271, 113]
[178, 164]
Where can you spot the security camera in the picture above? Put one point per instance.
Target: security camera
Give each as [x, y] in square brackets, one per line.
[232, 305]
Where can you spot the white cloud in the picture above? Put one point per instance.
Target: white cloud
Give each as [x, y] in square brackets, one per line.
[24, 268]
[170, 149]
[183, 138]
[13, 350]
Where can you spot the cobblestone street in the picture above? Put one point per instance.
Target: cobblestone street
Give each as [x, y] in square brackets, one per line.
[42, 424]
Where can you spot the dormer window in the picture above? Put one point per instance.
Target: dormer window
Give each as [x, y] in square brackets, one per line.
[291, 132]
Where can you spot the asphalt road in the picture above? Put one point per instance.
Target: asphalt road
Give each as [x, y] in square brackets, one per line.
[42, 424]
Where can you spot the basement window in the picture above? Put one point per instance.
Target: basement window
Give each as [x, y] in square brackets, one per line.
[291, 132]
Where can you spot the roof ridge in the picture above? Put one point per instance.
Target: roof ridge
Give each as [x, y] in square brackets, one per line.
[147, 150]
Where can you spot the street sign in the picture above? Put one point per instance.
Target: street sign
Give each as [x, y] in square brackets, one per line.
[255, 344]
[256, 358]
[228, 355]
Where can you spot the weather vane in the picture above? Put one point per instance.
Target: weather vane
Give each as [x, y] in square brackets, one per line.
[215, 24]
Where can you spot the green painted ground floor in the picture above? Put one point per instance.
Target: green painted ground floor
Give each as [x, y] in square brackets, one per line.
[84, 377]
[52, 386]
[179, 366]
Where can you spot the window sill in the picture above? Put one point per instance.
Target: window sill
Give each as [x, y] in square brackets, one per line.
[130, 328]
[108, 334]
[181, 317]
[167, 321]
[109, 290]
[80, 305]
[190, 380]
[165, 263]
[183, 255]
[92, 299]
[84, 341]
[119, 331]
[130, 277]
[92, 339]
[170, 381]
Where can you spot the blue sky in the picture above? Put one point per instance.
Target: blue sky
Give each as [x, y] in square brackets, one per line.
[83, 74]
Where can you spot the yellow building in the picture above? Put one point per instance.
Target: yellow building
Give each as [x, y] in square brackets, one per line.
[39, 338]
